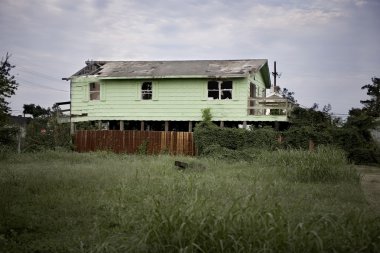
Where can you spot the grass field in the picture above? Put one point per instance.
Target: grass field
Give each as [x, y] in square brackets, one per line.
[284, 201]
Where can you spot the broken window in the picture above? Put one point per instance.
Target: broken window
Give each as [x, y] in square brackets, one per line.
[226, 89]
[213, 90]
[94, 91]
[219, 90]
[146, 91]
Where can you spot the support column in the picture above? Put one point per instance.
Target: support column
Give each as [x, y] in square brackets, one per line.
[121, 125]
[277, 125]
[166, 126]
[190, 126]
[72, 128]
[141, 125]
[244, 124]
[99, 125]
[221, 124]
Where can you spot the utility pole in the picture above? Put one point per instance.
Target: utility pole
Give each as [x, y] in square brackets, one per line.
[275, 74]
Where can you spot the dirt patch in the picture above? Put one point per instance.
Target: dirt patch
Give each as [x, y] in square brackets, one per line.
[371, 185]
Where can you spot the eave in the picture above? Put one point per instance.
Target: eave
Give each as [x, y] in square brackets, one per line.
[171, 77]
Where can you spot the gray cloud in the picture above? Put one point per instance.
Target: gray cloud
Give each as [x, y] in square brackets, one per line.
[325, 49]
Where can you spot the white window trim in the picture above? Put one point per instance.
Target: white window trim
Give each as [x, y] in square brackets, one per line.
[220, 90]
[94, 92]
[146, 92]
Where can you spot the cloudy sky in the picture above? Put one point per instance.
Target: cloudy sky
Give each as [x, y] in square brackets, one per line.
[325, 49]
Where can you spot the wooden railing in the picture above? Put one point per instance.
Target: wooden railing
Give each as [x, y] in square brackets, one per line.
[63, 115]
[269, 106]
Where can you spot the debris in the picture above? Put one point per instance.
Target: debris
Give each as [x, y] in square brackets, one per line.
[181, 165]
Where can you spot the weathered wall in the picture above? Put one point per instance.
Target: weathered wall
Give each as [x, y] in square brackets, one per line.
[173, 100]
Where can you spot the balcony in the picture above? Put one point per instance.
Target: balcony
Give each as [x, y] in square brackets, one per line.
[270, 106]
[63, 115]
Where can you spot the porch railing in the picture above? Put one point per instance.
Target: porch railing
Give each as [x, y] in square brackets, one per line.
[63, 115]
[269, 106]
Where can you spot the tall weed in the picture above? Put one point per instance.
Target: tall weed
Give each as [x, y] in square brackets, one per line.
[325, 164]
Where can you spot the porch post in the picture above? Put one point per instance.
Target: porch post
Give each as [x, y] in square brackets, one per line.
[244, 124]
[72, 128]
[99, 125]
[277, 125]
[166, 126]
[221, 124]
[141, 125]
[121, 125]
[190, 126]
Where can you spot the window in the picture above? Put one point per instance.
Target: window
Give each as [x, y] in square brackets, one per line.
[94, 91]
[146, 91]
[226, 90]
[213, 90]
[219, 90]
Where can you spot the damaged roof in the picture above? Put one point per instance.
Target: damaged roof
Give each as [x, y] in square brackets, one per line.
[230, 68]
[175, 69]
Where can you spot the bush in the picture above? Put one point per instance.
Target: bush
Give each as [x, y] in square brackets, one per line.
[262, 138]
[364, 155]
[358, 145]
[47, 134]
[235, 139]
[298, 137]
[8, 135]
[359, 149]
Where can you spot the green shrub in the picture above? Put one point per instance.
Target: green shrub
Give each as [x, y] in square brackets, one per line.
[142, 149]
[235, 139]
[358, 147]
[262, 138]
[364, 155]
[8, 136]
[46, 134]
[298, 137]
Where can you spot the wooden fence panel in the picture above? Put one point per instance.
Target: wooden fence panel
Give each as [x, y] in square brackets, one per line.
[176, 143]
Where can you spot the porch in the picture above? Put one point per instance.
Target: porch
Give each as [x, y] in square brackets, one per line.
[270, 107]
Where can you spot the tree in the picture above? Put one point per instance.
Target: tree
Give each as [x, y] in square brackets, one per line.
[36, 111]
[311, 117]
[289, 95]
[43, 131]
[372, 105]
[359, 119]
[8, 86]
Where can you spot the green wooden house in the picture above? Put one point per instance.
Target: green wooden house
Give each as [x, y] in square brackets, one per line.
[169, 95]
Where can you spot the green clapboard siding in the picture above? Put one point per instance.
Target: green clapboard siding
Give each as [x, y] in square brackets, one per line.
[173, 100]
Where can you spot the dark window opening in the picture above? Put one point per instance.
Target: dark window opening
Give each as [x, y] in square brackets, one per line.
[226, 94]
[94, 91]
[226, 85]
[146, 91]
[213, 90]
[219, 90]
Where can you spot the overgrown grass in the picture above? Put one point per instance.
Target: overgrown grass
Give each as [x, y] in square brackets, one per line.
[102, 202]
[325, 164]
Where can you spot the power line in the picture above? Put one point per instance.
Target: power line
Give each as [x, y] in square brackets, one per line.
[40, 85]
[39, 74]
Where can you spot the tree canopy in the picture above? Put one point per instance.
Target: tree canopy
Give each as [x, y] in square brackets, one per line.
[372, 105]
[8, 86]
[36, 111]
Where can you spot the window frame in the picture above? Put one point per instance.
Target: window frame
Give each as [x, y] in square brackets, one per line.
[146, 92]
[220, 90]
[94, 91]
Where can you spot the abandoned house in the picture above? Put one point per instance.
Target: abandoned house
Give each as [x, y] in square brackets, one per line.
[169, 95]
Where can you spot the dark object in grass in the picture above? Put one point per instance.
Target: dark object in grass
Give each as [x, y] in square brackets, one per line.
[181, 165]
